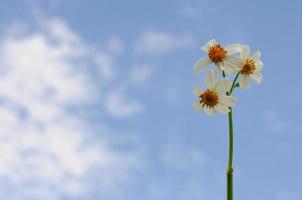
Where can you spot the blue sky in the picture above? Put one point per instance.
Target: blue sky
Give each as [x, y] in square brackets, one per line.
[96, 101]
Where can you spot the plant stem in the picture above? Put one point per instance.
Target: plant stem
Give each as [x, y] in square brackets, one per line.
[234, 82]
[230, 163]
[230, 170]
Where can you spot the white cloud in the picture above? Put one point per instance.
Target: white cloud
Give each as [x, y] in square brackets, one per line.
[46, 149]
[180, 156]
[190, 11]
[281, 122]
[160, 43]
[141, 74]
[104, 62]
[116, 45]
[120, 106]
[274, 121]
[198, 9]
[61, 32]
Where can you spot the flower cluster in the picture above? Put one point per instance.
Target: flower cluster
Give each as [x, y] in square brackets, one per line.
[217, 95]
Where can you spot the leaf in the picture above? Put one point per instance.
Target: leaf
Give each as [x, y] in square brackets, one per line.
[236, 85]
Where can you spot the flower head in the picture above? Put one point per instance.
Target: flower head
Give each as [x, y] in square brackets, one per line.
[251, 67]
[222, 57]
[213, 98]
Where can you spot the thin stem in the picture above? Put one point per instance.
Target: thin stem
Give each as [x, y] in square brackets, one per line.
[234, 82]
[230, 170]
[230, 163]
[230, 184]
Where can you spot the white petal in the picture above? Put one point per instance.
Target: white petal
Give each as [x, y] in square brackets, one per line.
[209, 111]
[257, 77]
[197, 106]
[258, 65]
[208, 45]
[229, 68]
[227, 100]
[233, 61]
[244, 82]
[233, 48]
[221, 108]
[202, 63]
[245, 53]
[211, 79]
[256, 56]
[197, 90]
[222, 86]
[220, 67]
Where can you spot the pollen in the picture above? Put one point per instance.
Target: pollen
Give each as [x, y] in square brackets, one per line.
[209, 98]
[217, 53]
[248, 68]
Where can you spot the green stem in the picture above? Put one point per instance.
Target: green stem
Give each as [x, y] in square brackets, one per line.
[230, 163]
[230, 184]
[230, 170]
[230, 139]
[234, 82]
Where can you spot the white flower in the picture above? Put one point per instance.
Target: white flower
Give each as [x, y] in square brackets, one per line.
[213, 98]
[251, 67]
[223, 58]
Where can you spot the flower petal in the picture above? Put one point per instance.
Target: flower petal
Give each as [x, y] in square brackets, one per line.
[244, 82]
[202, 63]
[257, 77]
[208, 45]
[227, 100]
[258, 65]
[222, 108]
[222, 86]
[209, 111]
[245, 53]
[233, 48]
[197, 90]
[230, 69]
[233, 61]
[220, 67]
[256, 56]
[197, 106]
[211, 79]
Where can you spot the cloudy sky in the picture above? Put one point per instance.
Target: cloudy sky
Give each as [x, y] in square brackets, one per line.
[96, 101]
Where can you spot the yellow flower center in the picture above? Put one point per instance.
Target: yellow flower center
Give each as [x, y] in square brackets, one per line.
[248, 68]
[209, 98]
[217, 53]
